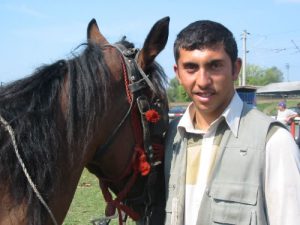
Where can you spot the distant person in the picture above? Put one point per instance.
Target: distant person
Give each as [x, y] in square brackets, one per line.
[285, 115]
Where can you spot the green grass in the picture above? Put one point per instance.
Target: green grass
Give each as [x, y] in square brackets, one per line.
[270, 107]
[88, 203]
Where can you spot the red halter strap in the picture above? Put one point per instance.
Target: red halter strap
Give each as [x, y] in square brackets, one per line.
[138, 163]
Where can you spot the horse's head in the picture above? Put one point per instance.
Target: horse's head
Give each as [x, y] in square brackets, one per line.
[129, 149]
[105, 108]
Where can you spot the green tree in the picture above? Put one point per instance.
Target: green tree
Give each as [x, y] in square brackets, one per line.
[183, 96]
[172, 91]
[176, 92]
[257, 75]
[273, 75]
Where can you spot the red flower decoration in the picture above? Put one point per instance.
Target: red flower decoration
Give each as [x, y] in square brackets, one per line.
[152, 116]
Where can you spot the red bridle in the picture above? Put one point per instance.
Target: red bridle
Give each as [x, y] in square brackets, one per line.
[140, 163]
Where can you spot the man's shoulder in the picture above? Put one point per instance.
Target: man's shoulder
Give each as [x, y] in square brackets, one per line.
[254, 113]
[259, 123]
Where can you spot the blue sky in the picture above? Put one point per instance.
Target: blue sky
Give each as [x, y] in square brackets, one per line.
[34, 32]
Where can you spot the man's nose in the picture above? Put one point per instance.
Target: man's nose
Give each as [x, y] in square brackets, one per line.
[203, 78]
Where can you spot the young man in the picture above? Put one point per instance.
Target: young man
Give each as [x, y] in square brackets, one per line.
[284, 115]
[225, 162]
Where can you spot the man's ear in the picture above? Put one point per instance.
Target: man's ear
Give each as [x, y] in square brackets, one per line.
[175, 67]
[237, 68]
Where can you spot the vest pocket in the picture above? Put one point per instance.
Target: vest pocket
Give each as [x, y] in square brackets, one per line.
[234, 203]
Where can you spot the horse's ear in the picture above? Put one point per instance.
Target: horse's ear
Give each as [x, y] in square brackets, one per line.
[154, 43]
[94, 34]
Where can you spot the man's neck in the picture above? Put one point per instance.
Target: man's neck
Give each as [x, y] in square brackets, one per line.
[202, 121]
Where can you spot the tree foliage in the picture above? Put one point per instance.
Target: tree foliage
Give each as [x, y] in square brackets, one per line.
[256, 75]
[176, 92]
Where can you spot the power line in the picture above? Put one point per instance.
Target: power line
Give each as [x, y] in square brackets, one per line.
[296, 46]
[275, 34]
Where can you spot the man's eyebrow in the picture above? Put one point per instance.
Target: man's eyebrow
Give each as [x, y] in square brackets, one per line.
[189, 64]
[215, 60]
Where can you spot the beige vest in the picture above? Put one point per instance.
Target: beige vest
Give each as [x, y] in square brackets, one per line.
[235, 192]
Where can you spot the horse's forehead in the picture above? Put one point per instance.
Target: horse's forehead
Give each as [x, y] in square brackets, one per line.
[113, 62]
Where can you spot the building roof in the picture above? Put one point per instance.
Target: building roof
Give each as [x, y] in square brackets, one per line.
[280, 87]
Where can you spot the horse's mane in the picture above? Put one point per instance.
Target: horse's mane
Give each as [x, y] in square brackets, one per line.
[32, 106]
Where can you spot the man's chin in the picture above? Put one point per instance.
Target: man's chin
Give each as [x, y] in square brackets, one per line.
[204, 108]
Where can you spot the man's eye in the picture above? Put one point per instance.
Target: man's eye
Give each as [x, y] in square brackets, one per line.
[215, 65]
[190, 68]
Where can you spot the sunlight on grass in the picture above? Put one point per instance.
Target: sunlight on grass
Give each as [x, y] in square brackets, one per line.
[88, 203]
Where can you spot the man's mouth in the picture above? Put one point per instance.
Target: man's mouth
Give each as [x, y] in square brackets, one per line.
[204, 96]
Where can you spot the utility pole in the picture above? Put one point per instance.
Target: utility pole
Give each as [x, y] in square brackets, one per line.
[244, 37]
[287, 66]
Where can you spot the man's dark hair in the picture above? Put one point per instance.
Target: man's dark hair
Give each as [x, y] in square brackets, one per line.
[205, 34]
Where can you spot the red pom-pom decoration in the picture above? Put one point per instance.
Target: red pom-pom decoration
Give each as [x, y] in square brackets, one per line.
[152, 116]
[144, 168]
[142, 165]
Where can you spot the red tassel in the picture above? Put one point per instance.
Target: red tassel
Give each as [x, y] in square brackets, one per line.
[152, 116]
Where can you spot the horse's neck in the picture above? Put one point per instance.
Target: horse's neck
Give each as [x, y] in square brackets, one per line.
[11, 213]
[64, 192]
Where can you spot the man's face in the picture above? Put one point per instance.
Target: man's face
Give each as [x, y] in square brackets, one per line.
[208, 77]
[281, 108]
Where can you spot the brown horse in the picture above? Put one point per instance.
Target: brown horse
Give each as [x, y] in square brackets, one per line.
[98, 110]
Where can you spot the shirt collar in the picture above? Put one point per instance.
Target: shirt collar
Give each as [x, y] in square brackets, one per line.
[231, 115]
